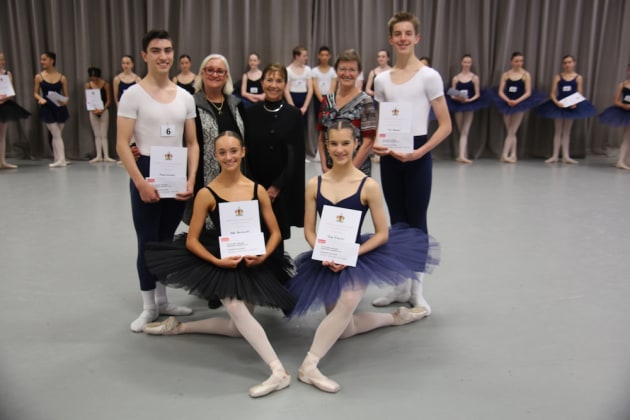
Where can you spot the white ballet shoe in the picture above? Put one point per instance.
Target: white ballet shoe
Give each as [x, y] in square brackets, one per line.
[5, 165]
[552, 160]
[108, 159]
[274, 383]
[621, 165]
[96, 159]
[404, 315]
[58, 164]
[170, 309]
[170, 326]
[147, 315]
[463, 160]
[570, 161]
[314, 377]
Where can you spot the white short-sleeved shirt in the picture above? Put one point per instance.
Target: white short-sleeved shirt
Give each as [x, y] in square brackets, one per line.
[298, 82]
[420, 90]
[157, 124]
[323, 80]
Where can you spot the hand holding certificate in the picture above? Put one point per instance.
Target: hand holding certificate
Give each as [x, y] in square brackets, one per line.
[394, 126]
[6, 88]
[572, 99]
[240, 229]
[336, 236]
[56, 98]
[93, 99]
[167, 171]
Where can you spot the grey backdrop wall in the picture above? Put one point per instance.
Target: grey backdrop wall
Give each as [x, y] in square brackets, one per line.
[87, 33]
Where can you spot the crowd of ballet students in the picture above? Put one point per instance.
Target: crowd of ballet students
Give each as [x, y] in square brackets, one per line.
[249, 144]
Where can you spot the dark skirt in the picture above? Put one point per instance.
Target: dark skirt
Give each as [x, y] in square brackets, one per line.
[261, 285]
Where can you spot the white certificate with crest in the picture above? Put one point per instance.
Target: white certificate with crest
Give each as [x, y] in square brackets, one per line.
[336, 236]
[573, 99]
[93, 99]
[394, 126]
[6, 88]
[167, 170]
[240, 229]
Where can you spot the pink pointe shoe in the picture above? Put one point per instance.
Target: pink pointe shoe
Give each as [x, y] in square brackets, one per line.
[314, 377]
[170, 326]
[274, 383]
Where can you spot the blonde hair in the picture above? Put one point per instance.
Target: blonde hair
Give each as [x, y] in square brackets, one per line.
[228, 88]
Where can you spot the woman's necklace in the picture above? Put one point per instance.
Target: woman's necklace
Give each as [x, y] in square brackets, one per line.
[273, 110]
[218, 108]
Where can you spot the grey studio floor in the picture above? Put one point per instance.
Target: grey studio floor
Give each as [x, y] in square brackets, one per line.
[530, 309]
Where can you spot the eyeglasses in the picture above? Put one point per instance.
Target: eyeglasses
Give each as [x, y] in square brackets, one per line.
[218, 72]
[347, 69]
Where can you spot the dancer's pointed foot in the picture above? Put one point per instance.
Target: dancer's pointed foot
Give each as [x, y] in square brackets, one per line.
[463, 160]
[314, 377]
[276, 382]
[5, 165]
[570, 161]
[96, 159]
[170, 326]
[621, 165]
[404, 315]
[552, 160]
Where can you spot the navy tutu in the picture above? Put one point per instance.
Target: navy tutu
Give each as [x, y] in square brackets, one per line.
[615, 116]
[11, 111]
[535, 99]
[408, 250]
[549, 109]
[261, 285]
[480, 103]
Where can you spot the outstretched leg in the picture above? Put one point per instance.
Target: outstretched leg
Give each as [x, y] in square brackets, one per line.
[463, 121]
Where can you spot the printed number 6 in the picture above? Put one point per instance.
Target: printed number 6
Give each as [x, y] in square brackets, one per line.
[168, 131]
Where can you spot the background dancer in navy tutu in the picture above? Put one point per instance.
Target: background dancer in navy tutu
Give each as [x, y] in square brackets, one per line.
[9, 111]
[514, 97]
[565, 84]
[407, 177]
[53, 115]
[156, 112]
[618, 115]
[335, 286]
[194, 262]
[465, 104]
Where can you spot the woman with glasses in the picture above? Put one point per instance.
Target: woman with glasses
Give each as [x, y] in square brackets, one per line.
[217, 111]
[350, 103]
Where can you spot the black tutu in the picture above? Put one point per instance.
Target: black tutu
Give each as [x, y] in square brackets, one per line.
[261, 285]
[615, 116]
[535, 99]
[408, 250]
[549, 109]
[50, 113]
[11, 111]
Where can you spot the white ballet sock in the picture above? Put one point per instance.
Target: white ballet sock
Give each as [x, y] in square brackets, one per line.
[166, 308]
[149, 311]
[400, 293]
[417, 298]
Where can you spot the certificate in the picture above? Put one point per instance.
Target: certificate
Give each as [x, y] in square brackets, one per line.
[572, 99]
[93, 99]
[240, 229]
[336, 236]
[167, 170]
[394, 126]
[56, 98]
[242, 245]
[239, 217]
[457, 93]
[6, 88]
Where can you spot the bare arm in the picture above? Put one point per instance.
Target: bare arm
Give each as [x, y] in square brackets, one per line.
[190, 135]
[369, 87]
[272, 226]
[310, 211]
